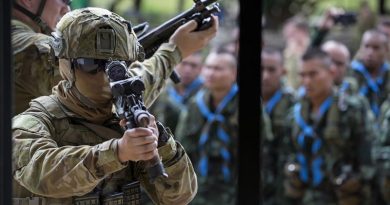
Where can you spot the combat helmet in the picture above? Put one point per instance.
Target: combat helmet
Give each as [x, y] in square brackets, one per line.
[95, 33]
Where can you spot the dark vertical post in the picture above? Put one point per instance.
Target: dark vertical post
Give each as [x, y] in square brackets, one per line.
[382, 7]
[249, 191]
[5, 105]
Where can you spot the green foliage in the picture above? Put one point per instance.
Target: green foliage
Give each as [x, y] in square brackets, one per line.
[277, 11]
[154, 12]
[347, 5]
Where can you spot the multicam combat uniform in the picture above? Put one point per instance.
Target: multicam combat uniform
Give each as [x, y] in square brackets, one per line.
[58, 158]
[62, 155]
[330, 161]
[210, 137]
[35, 66]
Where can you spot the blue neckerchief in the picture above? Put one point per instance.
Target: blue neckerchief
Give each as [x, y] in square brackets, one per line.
[273, 101]
[222, 135]
[344, 86]
[301, 91]
[189, 89]
[372, 84]
[308, 131]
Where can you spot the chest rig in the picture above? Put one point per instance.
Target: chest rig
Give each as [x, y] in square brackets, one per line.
[120, 188]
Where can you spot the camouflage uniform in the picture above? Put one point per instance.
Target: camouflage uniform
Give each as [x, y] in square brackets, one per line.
[35, 66]
[212, 147]
[169, 104]
[59, 154]
[376, 90]
[381, 156]
[275, 149]
[329, 161]
[58, 158]
[266, 173]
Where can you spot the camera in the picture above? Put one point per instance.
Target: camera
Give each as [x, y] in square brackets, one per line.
[345, 19]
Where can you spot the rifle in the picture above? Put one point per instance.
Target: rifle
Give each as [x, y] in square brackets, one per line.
[200, 12]
[127, 93]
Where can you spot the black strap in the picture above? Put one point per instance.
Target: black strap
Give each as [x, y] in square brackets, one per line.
[35, 17]
[41, 7]
[25, 11]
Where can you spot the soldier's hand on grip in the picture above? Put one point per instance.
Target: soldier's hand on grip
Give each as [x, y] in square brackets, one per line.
[138, 143]
[189, 41]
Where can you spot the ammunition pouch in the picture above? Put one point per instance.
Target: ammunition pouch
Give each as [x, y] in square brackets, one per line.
[29, 201]
[130, 195]
[113, 199]
[89, 199]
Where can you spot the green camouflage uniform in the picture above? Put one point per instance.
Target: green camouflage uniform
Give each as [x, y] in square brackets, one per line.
[214, 188]
[35, 67]
[335, 158]
[275, 149]
[266, 173]
[381, 155]
[58, 155]
[365, 88]
[167, 108]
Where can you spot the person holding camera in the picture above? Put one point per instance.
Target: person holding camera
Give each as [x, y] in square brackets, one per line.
[69, 147]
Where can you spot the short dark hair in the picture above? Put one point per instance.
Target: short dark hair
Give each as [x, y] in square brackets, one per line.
[316, 53]
[273, 51]
[232, 56]
[376, 31]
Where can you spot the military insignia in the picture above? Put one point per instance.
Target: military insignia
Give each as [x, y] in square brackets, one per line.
[105, 42]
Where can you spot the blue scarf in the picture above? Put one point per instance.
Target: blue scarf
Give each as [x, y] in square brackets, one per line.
[222, 135]
[307, 131]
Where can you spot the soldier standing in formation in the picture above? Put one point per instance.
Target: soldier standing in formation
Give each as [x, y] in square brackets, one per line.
[208, 129]
[277, 101]
[330, 154]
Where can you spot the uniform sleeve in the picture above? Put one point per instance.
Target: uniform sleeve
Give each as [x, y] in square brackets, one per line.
[35, 73]
[156, 70]
[46, 169]
[181, 185]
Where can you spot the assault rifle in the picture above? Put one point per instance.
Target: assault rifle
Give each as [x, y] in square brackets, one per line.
[200, 12]
[127, 93]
